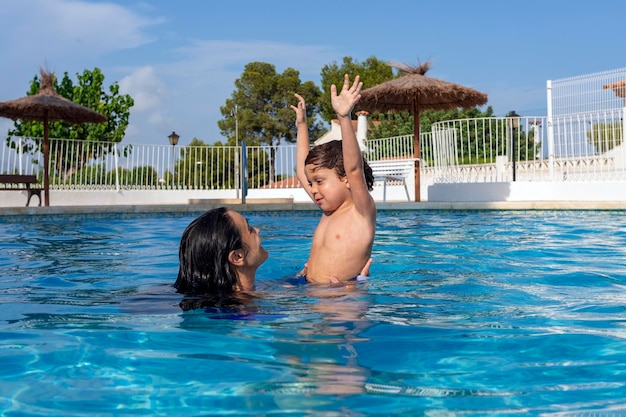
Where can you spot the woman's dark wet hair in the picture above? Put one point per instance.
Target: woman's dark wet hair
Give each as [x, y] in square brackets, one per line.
[205, 276]
[330, 155]
[230, 304]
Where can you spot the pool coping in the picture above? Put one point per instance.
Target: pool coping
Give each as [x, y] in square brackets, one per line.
[281, 205]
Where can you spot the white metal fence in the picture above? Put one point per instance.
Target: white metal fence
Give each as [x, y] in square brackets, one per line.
[581, 139]
[582, 147]
[89, 165]
[588, 93]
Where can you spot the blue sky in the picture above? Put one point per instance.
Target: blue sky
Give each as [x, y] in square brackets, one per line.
[179, 59]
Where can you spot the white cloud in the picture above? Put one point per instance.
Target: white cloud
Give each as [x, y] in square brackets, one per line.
[73, 35]
[150, 94]
[181, 88]
[201, 76]
[64, 28]
[233, 55]
[145, 87]
[151, 97]
[63, 35]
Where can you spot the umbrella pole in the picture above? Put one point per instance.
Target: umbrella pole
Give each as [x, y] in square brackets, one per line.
[46, 160]
[416, 148]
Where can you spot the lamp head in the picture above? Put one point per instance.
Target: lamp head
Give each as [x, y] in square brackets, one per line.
[512, 119]
[173, 139]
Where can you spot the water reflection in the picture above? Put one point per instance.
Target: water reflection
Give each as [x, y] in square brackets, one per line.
[326, 354]
[299, 340]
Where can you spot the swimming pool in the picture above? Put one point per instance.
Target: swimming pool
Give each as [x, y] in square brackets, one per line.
[466, 313]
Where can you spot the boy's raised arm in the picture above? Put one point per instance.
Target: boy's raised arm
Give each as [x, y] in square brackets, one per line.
[343, 104]
[302, 142]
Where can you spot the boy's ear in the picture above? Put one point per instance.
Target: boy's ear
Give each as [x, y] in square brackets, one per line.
[236, 257]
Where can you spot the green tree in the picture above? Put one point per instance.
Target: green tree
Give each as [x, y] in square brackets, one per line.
[392, 124]
[605, 136]
[88, 175]
[263, 97]
[428, 117]
[121, 175]
[145, 176]
[204, 166]
[401, 123]
[262, 100]
[372, 72]
[525, 146]
[89, 92]
[188, 169]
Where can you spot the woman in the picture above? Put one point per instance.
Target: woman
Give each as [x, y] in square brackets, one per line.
[219, 256]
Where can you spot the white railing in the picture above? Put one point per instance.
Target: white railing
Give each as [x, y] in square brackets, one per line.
[585, 147]
[88, 165]
[571, 148]
[398, 147]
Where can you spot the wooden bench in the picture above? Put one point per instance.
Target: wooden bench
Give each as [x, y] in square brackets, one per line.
[21, 183]
[393, 170]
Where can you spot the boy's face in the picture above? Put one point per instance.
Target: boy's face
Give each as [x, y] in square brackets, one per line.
[329, 190]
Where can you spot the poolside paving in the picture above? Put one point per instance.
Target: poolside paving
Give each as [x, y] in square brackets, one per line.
[252, 205]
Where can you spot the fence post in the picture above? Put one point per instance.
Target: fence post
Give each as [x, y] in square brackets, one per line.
[244, 172]
[550, 130]
[117, 171]
[623, 124]
[19, 155]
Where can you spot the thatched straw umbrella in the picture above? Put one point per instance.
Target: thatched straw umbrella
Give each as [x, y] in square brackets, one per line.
[48, 106]
[413, 91]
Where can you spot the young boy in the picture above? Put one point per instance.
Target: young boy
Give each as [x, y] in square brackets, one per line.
[334, 175]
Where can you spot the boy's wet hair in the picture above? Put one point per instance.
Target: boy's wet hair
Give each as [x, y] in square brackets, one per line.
[330, 155]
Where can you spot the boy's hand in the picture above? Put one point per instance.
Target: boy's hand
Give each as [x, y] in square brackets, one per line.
[300, 110]
[349, 96]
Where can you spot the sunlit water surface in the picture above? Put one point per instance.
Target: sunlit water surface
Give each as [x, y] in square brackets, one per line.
[466, 313]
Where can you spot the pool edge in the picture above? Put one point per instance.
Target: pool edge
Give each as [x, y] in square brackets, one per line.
[282, 206]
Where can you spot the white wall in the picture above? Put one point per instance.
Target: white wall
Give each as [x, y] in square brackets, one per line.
[466, 192]
[158, 197]
[528, 191]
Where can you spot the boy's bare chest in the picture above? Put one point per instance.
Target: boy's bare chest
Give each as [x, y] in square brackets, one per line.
[338, 228]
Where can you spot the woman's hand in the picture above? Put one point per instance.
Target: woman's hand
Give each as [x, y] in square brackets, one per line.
[365, 272]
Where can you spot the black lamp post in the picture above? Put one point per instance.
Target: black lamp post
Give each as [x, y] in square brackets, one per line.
[512, 120]
[173, 141]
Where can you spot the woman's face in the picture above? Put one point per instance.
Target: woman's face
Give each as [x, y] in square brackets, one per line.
[255, 253]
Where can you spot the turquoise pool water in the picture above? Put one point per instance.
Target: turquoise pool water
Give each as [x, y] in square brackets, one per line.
[467, 313]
